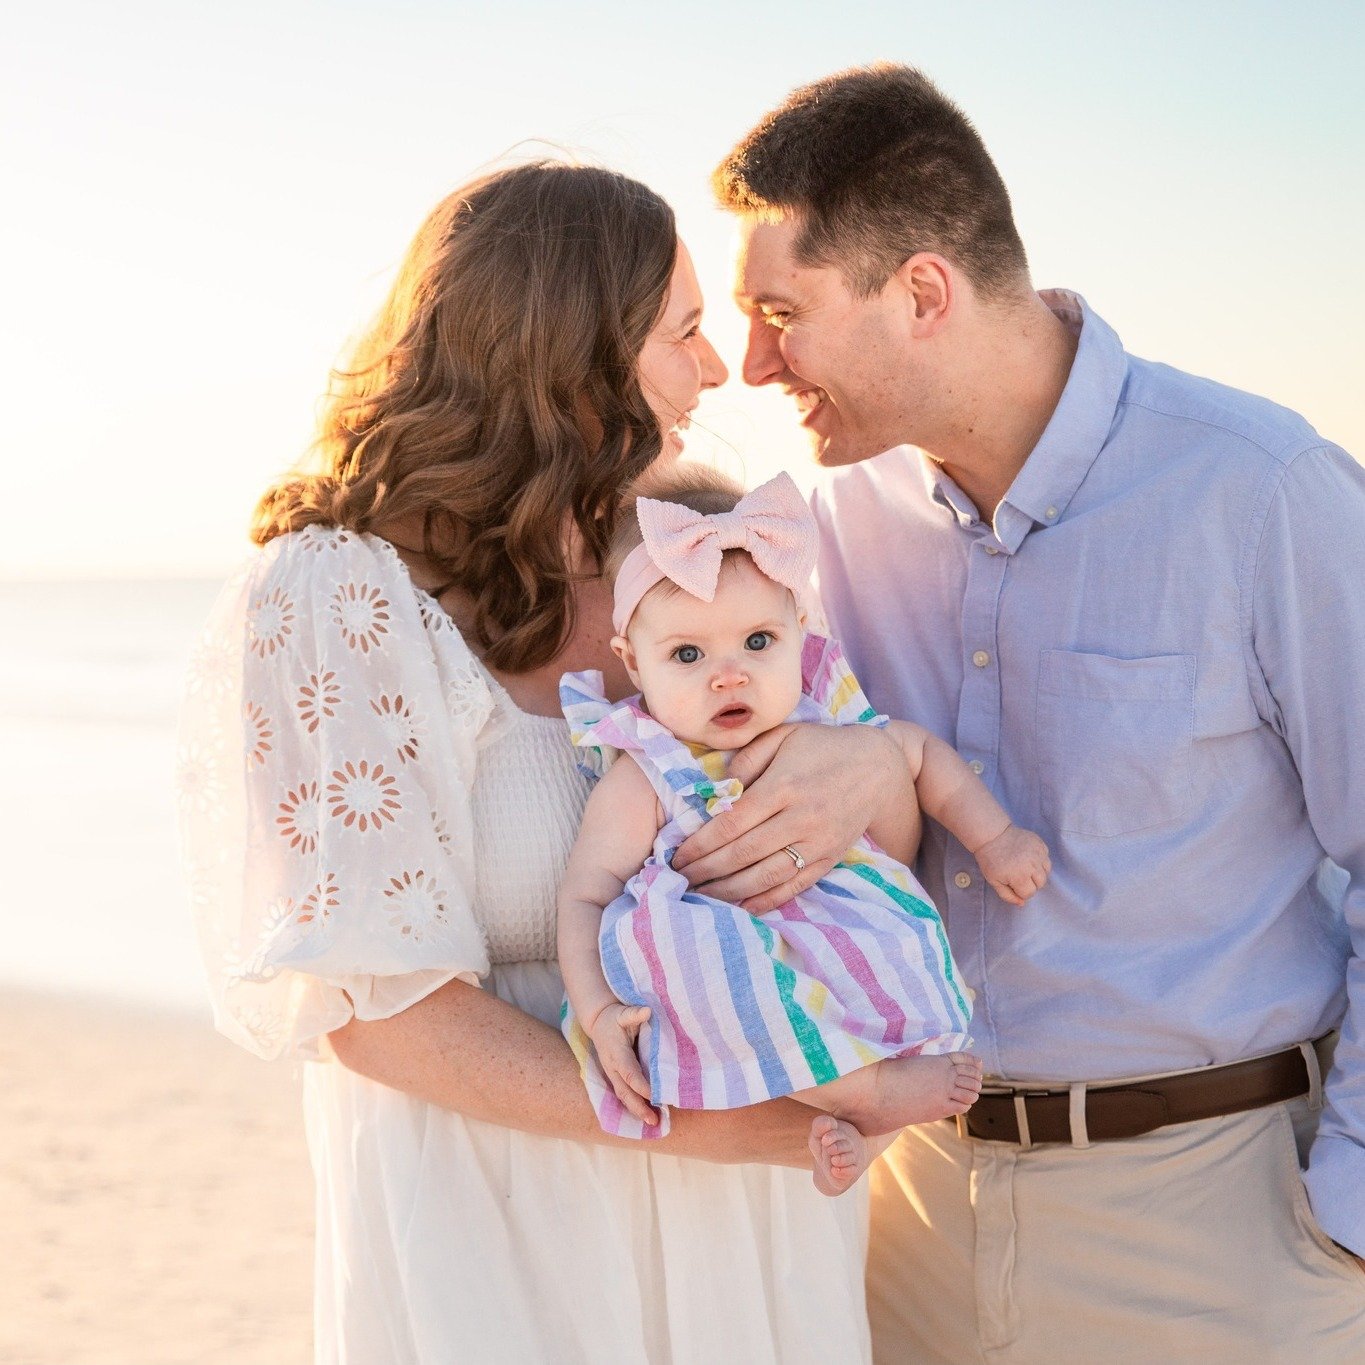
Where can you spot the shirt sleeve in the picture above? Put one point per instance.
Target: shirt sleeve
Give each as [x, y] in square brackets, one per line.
[1308, 643]
[325, 768]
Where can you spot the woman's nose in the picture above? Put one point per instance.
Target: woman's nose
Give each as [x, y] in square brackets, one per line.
[713, 370]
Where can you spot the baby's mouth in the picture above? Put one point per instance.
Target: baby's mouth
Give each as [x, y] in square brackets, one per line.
[732, 717]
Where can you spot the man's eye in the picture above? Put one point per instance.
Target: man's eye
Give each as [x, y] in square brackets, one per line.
[760, 639]
[778, 320]
[687, 654]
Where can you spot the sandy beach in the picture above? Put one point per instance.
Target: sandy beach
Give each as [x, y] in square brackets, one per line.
[155, 1195]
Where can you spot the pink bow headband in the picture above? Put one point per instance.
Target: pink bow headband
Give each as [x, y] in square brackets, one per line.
[773, 524]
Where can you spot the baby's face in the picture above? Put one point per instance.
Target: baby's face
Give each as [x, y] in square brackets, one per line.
[717, 673]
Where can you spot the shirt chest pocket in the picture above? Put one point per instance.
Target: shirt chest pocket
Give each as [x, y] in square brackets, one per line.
[1114, 741]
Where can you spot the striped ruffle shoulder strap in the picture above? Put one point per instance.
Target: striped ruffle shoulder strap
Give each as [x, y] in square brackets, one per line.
[829, 692]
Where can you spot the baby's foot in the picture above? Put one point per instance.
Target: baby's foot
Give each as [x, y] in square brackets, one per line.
[919, 1090]
[841, 1154]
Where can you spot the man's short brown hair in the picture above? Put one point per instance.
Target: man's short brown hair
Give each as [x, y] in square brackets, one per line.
[880, 164]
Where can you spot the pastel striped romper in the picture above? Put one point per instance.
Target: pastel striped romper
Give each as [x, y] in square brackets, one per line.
[747, 1008]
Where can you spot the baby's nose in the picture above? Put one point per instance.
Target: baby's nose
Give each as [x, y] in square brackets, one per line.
[728, 674]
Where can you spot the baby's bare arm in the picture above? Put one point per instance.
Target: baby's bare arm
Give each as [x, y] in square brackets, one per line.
[615, 838]
[1014, 861]
[948, 790]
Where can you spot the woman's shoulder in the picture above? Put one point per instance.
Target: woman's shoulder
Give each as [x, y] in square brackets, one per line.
[356, 579]
[317, 557]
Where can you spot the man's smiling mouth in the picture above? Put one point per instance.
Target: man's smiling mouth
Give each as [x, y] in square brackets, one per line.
[808, 403]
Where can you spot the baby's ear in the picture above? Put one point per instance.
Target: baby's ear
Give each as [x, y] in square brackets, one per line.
[623, 650]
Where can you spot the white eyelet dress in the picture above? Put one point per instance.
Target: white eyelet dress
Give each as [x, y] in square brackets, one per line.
[367, 816]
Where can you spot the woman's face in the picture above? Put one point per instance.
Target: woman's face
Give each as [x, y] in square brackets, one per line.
[677, 362]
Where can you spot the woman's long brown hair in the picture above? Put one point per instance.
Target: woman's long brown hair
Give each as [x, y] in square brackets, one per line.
[495, 398]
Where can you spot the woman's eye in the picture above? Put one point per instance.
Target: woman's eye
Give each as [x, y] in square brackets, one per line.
[760, 639]
[687, 654]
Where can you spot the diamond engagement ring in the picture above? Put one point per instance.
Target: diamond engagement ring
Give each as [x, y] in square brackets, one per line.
[795, 857]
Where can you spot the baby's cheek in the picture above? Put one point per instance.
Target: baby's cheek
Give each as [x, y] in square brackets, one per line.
[790, 695]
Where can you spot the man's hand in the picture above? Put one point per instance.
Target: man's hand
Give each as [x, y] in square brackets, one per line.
[613, 1035]
[814, 788]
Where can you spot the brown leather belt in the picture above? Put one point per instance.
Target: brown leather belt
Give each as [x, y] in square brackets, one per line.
[1129, 1109]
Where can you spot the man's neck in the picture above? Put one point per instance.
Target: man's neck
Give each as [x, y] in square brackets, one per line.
[1004, 399]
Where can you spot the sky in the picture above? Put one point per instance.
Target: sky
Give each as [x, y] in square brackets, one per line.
[205, 202]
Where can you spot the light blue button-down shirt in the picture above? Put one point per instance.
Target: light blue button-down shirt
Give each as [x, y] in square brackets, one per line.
[1155, 656]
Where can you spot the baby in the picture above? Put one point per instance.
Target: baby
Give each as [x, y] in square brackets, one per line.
[846, 998]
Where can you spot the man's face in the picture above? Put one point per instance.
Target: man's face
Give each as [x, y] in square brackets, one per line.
[843, 359]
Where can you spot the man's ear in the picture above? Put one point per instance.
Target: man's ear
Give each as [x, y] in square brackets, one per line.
[625, 651]
[930, 285]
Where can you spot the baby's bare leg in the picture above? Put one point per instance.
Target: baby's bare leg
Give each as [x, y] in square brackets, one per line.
[842, 1154]
[899, 1091]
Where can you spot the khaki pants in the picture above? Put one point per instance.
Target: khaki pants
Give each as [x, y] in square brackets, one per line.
[1192, 1243]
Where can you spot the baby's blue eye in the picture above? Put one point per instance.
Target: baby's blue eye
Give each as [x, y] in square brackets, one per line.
[687, 654]
[760, 639]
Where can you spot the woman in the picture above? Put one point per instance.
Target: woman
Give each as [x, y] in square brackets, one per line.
[381, 795]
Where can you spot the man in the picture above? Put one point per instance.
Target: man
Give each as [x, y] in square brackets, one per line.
[1131, 599]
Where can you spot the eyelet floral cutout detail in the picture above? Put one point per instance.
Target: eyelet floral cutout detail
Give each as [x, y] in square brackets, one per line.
[259, 733]
[324, 898]
[362, 614]
[417, 905]
[321, 538]
[468, 697]
[265, 1025]
[433, 615]
[197, 779]
[269, 623]
[318, 699]
[440, 829]
[363, 794]
[211, 669]
[402, 725]
[300, 815]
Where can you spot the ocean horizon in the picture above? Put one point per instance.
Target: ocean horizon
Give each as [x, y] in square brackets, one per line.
[94, 903]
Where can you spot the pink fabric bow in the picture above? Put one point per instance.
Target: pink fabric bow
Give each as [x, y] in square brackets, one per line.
[773, 524]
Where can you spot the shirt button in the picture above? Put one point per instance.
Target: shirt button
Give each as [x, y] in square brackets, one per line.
[992, 549]
[981, 658]
[977, 766]
[1050, 513]
[963, 879]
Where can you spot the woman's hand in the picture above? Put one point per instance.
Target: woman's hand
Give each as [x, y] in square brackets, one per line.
[613, 1035]
[813, 788]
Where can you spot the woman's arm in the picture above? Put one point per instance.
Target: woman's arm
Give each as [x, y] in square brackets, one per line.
[462, 1048]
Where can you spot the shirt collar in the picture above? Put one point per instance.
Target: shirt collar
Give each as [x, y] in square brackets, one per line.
[1074, 436]
[1078, 429]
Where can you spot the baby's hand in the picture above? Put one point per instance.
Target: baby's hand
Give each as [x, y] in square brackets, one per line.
[613, 1034]
[1015, 863]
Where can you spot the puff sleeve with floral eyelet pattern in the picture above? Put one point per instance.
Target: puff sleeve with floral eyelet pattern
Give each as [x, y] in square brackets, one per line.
[328, 745]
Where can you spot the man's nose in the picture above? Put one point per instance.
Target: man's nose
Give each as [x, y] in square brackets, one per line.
[763, 362]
